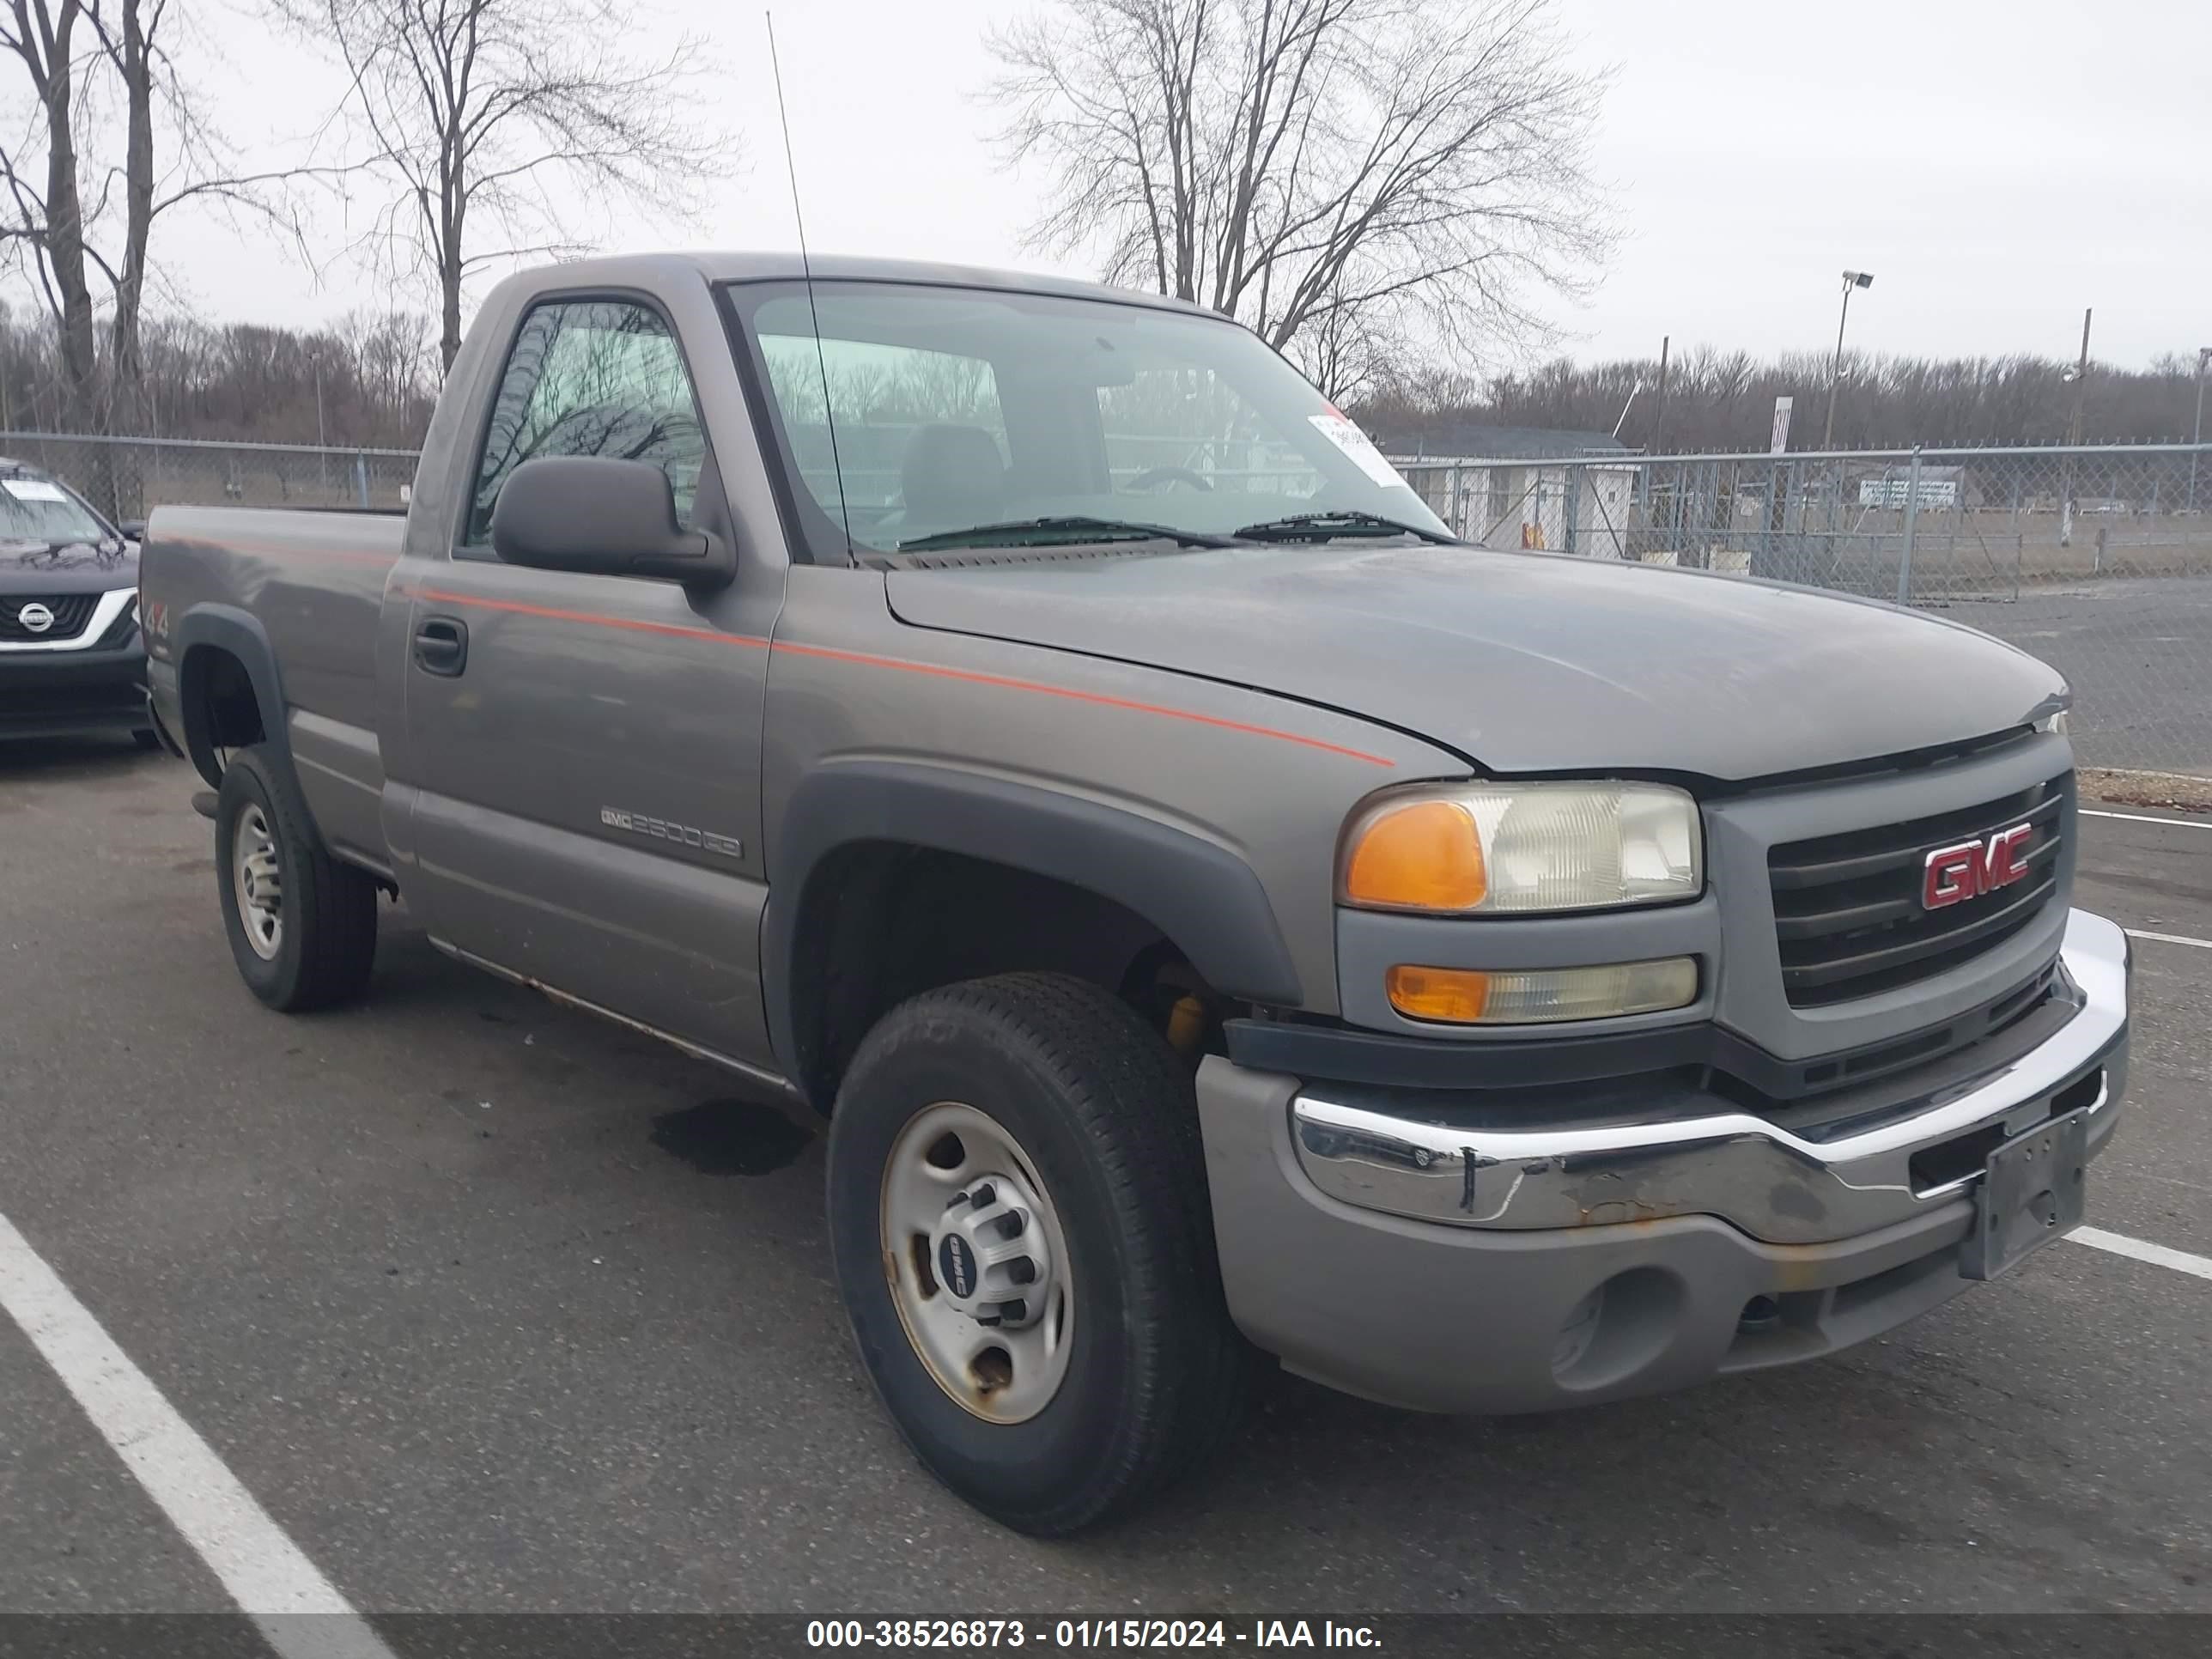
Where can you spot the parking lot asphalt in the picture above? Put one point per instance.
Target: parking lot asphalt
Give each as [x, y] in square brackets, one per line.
[494, 1307]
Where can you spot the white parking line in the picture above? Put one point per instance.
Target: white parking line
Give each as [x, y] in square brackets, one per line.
[263, 1570]
[2169, 938]
[2120, 1244]
[2140, 817]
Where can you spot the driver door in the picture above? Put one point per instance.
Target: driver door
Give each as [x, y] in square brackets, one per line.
[589, 746]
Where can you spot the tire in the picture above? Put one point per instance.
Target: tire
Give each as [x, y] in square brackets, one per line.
[325, 941]
[1156, 1376]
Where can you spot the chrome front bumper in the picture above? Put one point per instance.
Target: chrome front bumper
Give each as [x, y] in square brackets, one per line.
[1775, 1186]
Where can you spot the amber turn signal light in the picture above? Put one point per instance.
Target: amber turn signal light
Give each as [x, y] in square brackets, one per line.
[1423, 855]
[1454, 994]
[1466, 996]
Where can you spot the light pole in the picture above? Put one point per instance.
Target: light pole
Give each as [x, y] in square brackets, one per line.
[1633, 394]
[1851, 279]
[2078, 378]
[2203, 357]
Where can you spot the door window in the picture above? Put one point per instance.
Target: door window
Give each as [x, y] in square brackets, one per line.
[592, 377]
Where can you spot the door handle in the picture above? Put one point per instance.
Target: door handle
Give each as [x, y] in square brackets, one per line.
[442, 646]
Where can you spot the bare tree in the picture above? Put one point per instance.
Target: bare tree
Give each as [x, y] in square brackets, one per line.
[79, 58]
[200, 167]
[496, 122]
[47, 225]
[1723, 400]
[389, 358]
[1337, 174]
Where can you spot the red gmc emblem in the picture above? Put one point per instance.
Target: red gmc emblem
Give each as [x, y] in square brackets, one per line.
[1972, 868]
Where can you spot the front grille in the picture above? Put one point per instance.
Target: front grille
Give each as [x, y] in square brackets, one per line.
[1847, 910]
[71, 612]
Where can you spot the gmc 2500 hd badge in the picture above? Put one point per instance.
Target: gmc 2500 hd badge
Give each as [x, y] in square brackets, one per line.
[661, 829]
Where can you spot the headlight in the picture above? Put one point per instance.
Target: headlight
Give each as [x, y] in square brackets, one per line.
[1524, 849]
[2053, 723]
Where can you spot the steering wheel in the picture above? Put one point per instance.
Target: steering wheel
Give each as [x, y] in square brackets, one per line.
[1153, 477]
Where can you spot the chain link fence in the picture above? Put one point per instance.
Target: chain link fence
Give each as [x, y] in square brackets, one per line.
[2097, 560]
[127, 478]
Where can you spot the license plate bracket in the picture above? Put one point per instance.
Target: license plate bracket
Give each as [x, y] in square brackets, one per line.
[2030, 1192]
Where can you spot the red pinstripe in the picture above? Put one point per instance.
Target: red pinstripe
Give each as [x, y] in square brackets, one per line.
[900, 665]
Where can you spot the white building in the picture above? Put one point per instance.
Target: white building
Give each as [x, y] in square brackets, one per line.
[1564, 492]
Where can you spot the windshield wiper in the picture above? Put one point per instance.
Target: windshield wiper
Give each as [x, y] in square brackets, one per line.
[1063, 529]
[1326, 526]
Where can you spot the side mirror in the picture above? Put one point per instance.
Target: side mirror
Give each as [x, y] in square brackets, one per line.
[131, 529]
[603, 517]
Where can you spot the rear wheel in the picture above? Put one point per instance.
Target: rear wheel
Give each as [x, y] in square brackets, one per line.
[302, 925]
[1019, 1212]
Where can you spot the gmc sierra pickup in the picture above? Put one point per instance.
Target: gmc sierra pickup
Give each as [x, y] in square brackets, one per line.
[1220, 913]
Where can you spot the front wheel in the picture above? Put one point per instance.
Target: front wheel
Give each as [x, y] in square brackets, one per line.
[1018, 1212]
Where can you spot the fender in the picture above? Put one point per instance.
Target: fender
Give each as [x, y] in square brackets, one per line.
[1192, 891]
[239, 632]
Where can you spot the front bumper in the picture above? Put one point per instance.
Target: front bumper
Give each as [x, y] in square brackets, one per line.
[67, 694]
[1434, 1253]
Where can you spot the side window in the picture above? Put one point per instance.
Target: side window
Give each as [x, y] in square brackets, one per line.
[591, 377]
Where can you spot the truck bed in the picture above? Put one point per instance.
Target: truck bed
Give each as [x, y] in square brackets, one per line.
[314, 580]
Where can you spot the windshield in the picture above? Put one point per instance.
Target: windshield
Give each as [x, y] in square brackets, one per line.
[1043, 419]
[37, 509]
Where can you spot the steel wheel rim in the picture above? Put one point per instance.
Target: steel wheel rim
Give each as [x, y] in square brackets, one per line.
[1004, 1373]
[258, 879]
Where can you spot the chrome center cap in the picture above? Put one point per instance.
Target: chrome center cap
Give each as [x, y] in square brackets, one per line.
[990, 1256]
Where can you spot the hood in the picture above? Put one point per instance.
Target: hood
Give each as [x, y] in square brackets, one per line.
[1525, 663]
[40, 567]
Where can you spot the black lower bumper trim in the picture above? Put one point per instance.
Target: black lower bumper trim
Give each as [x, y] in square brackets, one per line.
[1342, 1054]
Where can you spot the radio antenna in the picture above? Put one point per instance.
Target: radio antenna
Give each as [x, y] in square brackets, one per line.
[806, 269]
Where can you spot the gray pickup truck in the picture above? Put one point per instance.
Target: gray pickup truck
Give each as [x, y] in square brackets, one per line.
[1221, 915]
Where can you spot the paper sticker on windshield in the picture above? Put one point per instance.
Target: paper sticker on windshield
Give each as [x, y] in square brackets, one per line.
[33, 489]
[1355, 445]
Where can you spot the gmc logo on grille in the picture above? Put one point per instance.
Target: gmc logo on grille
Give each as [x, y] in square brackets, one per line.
[1950, 874]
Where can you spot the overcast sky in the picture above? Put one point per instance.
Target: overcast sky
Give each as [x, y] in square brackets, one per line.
[1998, 164]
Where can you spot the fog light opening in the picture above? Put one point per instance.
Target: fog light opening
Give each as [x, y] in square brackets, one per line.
[1577, 1331]
[1619, 1329]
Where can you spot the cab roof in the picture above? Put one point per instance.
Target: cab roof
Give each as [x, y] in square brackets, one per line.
[756, 266]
